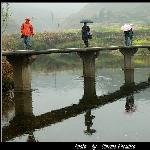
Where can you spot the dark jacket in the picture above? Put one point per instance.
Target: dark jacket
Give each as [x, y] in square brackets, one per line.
[131, 34]
[85, 31]
[126, 33]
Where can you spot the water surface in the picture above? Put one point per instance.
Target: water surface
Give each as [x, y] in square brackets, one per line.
[110, 122]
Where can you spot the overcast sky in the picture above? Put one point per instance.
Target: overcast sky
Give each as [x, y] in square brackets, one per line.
[58, 8]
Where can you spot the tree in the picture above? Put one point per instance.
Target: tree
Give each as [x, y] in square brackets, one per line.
[5, 13]
[7, 72]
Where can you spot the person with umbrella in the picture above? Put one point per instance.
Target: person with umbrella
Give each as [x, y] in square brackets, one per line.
[128, 34]
[131, 33]
[86, 32]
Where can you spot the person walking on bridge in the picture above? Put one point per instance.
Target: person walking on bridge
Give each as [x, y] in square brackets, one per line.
[128, 34]
[131, 34]
[27, 32]
[85, 32]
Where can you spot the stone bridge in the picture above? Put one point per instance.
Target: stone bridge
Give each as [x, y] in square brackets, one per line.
[21, 61]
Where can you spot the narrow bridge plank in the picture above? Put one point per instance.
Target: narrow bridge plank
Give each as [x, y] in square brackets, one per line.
[68, 50]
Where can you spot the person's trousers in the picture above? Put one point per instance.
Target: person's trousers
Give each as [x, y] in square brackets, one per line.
[86, 42]
[128, 41]
[26, 41]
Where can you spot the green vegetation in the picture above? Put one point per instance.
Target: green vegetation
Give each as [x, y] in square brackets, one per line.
[7, 76]
[102, 36]
[5, 13]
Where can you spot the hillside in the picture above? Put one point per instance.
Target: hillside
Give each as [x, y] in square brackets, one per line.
[45, 16]
[111, 13]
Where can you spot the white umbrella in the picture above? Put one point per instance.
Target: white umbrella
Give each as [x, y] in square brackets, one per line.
[132, 26]
[126, 27]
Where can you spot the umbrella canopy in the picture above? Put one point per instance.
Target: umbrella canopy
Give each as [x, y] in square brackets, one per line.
[86, 21]
[132, 25]
[126, 27]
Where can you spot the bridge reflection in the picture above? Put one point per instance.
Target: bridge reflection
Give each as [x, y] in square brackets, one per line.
[25, 122]
[21, 61]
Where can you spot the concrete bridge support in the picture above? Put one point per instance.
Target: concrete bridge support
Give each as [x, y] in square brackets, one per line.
[89, 89]
[88, 59]
[23, 104]
[128, 65]
[21, 71]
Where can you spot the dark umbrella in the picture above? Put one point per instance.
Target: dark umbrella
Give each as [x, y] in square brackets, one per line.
[86, 21]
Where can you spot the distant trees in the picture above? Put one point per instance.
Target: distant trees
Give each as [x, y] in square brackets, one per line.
[5, 14]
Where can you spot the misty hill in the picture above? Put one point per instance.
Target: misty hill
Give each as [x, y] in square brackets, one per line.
[45, 16]
[52, 16]
[110, 13]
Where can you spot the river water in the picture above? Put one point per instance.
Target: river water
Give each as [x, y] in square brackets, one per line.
[112, 122]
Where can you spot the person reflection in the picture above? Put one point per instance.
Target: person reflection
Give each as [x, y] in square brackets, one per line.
[31, 137]
[130, 106]
[88, 123]
[89, 98]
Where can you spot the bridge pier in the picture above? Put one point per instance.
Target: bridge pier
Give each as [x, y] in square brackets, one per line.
[23, 104]
[88, 59]
[128, 65]
[89, 89]
[21, 71]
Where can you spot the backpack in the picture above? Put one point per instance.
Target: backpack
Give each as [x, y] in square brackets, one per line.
[89, 35]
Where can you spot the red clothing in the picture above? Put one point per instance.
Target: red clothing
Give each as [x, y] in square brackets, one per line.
[27, 29]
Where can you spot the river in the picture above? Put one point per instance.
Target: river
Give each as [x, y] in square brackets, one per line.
[126, 119]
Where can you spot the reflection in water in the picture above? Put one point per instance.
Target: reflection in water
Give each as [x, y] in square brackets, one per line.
[8, 107]
[25, 122]
[88, 123]
[89, 89]
[130, 106]
[89, 97]
[23, 104]
[24, 117]
[31, 137]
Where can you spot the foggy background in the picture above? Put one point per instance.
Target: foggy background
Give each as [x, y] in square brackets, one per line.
[59, 16]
